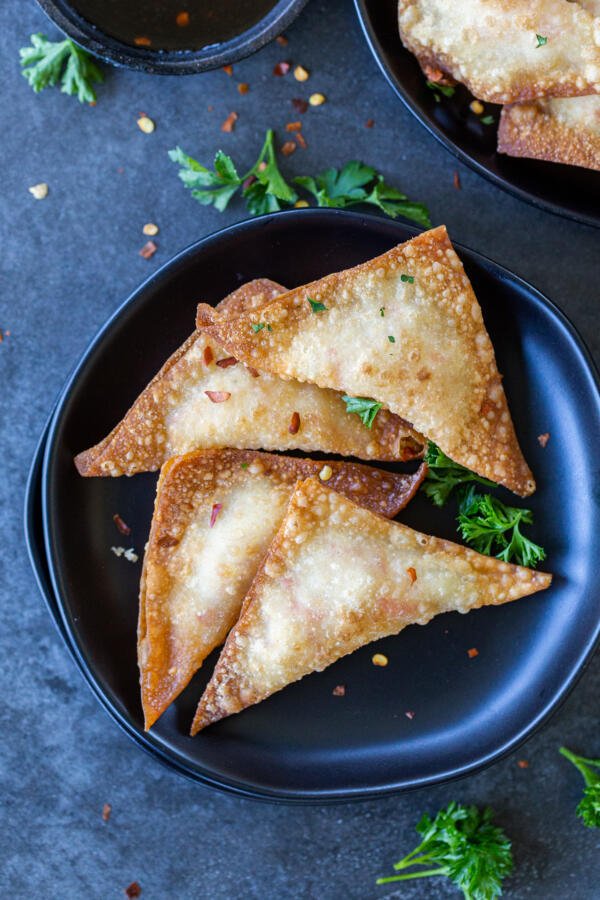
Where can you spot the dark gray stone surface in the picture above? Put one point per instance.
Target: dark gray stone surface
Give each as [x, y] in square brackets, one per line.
[66, 263]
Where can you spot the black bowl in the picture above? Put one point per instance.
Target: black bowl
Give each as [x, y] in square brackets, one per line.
[568, 191]
[303, 744]
[172, 62]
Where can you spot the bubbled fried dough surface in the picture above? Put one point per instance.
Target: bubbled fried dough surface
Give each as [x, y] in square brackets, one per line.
[558, 130]
[440, 371]
[337, 577]
[492, 48]
[215, 515]
[175, 413]
[251, 295]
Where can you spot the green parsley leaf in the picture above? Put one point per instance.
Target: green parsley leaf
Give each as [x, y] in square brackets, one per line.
[490, 526]
[357, 183]
[408, 279]
[46, 63]
[364, 408]
[487, 120]
[316, 306]
[207, 186]
[444, 475]
[391, 339]
[588, 807]
[245, 465]
[541, 40]
[258, 327]
[382, 311]
[446, 89]
[266, 193]
[463, 844]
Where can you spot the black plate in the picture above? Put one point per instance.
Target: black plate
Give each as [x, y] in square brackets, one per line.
[303, 743]
[171, 62]
[565, 190]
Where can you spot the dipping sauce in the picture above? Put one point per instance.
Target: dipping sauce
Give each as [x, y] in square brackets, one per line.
[173, 24]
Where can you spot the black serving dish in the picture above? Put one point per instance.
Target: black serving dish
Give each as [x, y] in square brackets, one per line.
[303, 744]
[255, 31]
[565, 190]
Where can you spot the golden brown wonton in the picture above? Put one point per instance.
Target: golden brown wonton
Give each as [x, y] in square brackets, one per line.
[203, 398]
[335, 578]
[215, 515]
[565, 130]
[507, 51]
[404, 329]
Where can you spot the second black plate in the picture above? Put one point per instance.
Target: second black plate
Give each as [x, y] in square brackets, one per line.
[304, 743]
[565, 190]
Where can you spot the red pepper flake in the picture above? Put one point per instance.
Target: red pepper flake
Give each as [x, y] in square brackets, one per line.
[339, 690]
[243, 87]
[300, 138]
[294, 423]
[456, 180]
[182, 19]
[218, 396]
[248, 182]
[412, 574]
[208, 355]
[228, 361]
[282, 40]
[133, 890]
[253, 372]
[1, 336]
[106, 811]
[148, 250]
[473, 652]
[121, 525]
[409, 714]
[542, 438]
[168, 540]
[293, 126]
[210, 107]
[523, 764]
[229, 123]
[217, 507]
[228, 70]
[369, 123]
[142, 41]
[288, 148]
[433, 74]
[262, 166]
[300, 104]
[282, 68]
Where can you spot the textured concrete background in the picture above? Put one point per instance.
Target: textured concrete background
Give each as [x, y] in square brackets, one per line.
[66, 263]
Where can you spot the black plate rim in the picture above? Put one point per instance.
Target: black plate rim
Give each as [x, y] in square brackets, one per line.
[376, 50]
[172, 62]
[146, 740]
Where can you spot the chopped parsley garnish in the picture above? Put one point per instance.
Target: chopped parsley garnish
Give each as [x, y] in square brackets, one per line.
[316, 306]
[490, 526]
[541, 40]
[391, 339]
[487, 120]
[258, 326]
[446, 89]
[464, 845]
[48, 63]
[364, 408]
[407, 279]
[445, 475]
[589, 805]
[265, 190]
[245, 465]
[382, 311]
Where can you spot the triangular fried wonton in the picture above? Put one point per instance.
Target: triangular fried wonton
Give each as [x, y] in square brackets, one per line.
[404, 329]
[335, 578]
[506, 51]
[565, 130]
[203, 398]
[215, 515]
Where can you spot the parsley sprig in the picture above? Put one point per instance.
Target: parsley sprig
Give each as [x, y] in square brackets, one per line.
[48, 63]
[445, 475]
[589, 805]
[364, 408]
[484, 522]
[463, 844]
[265, 190]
